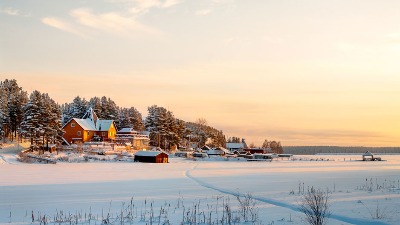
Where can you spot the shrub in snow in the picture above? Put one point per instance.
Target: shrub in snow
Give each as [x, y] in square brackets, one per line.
[314, 205]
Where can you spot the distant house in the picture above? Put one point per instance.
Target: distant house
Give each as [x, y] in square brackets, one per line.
[368, 156]
[88, 128]
[205, 148]
[138, 140]
[218, 151]
[151, 157]
[257, 150]
[232, 146]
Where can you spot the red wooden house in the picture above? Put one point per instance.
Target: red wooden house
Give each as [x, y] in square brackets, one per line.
[88, 128]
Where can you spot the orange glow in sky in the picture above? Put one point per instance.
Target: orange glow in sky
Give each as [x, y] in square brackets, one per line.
[301, 72]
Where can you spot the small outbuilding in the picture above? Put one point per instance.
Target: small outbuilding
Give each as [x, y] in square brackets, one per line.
[205, 148]
[368, 156]
[151, 157]
[218, 151]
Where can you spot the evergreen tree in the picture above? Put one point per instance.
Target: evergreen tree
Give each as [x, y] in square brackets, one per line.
[42, 119]
[66, 113]
[12, 101]
[234, 140]
[95, 104]
[109, 110]
[52, 126]
[32, 120]
[78, 107]
[3, 111]
[130, 118]
[136, 119]
[156, 124]
[123, 118]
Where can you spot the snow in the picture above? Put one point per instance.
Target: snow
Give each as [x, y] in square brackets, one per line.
[234, 145]
[356, 188]
[128, 130]
[148, 153]
[88, 124]
[103, 125]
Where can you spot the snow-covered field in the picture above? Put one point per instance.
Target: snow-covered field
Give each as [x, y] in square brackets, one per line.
[88, 193]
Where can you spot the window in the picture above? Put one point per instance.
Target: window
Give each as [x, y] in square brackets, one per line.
[72, 124]
[78, 133]
[88, 133]
[103, 134]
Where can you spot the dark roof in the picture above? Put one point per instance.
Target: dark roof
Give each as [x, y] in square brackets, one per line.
[149, 153]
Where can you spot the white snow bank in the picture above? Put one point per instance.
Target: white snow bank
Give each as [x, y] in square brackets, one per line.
[356, 188]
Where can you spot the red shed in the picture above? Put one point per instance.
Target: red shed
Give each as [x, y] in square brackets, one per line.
[151, 157]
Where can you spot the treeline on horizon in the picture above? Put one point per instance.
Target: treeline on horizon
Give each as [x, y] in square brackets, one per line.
[40, 118]
[312, 150]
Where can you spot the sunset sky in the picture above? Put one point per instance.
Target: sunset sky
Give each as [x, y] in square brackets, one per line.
[301, 72]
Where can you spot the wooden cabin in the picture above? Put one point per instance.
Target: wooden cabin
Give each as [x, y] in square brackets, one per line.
[151, 157]
[137, 140]
[256, 150]
[368, 156]
[89, 128]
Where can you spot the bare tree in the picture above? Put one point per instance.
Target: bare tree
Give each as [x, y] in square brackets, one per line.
[314, 204]
[247, 207]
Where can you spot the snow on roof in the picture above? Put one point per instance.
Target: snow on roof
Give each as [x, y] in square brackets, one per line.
[148, 153]
[103, 125]
[234, 145]
[205, 147]
[215, 152]
[127, 130]
[368, 153]
[222, 149]
[86, 124]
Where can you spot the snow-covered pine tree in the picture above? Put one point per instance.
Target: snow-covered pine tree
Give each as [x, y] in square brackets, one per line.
[16, 100]
[149, 122]
[66, 113]
[123, 118]
[155, 124]
[3, 110]
[52, 127]
[136, 119]
[13, 98]
[32, 120]
[78, 107]
[109, 109]
[95, 104]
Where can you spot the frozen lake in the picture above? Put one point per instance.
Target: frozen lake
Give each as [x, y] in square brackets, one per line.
[360, 192]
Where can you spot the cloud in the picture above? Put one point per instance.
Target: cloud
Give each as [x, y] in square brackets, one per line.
[110, 21]
[138, 7]
[115, 22]
[13, 12]
[61, 25]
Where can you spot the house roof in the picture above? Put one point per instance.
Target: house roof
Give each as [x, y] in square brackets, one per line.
[205, 147]
[86, 124]
[92, 123]
[234, 145]
[215, 152]
[222, 149]
[103, 125]
[148, 153]
[128, 130]
[368, 153]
